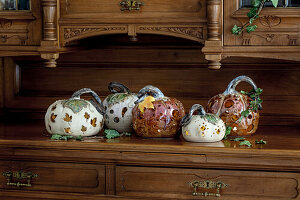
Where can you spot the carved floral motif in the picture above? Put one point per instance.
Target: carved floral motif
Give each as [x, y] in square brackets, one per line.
[270, 21]
[196, 32]
[73, 32]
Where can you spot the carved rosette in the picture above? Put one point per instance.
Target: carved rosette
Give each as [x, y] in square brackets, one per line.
[195, 33]
[70, 34]
[5, 23]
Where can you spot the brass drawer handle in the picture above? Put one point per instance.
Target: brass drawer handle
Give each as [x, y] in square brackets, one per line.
[207, 185]
[130, 5]
[19, 175]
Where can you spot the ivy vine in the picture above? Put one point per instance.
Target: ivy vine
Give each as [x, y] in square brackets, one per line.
[253, 14]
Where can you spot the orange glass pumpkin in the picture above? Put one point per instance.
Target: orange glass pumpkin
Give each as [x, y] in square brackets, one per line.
[231, 106]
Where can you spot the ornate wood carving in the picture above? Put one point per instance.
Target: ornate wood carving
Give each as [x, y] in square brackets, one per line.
[22, 39]
[197, 33]
[293, 40]
[69, 33]
[5, 23]
[74, 33]
[246, 40]
[49, 19]
[270, 21]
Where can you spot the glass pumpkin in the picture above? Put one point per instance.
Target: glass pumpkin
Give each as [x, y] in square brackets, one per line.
[75, 116]
[231, 106]
[204, 127]
[118, 107]
[155, 115]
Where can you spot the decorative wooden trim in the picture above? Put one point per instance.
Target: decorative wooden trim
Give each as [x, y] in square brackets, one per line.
[75, 33]
[279, 12]
[197, 33]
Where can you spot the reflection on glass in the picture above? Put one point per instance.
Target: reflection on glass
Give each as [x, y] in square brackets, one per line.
[247, 3]
[14, 4]
[293, 3]
[9, 5]
[23, 5]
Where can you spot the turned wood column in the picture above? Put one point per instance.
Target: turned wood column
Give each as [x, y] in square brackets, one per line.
[49, 19]
[213, 45]
[213, 15]
[49, 43]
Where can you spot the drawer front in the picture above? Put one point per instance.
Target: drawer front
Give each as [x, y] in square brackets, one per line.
[110, 9]
[61, 177]
[177, 183]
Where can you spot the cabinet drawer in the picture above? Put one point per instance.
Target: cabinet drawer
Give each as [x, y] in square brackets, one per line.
[176, 183]
[61, 177]
[111, 9]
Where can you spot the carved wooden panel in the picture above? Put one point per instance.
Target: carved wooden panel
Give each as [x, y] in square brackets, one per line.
[15, 31]
[71, 33]
[21, 27]
[109, 11]
[192, 32]
[275, 27]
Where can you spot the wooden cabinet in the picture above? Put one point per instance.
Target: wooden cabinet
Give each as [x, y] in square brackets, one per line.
[135, 168]
[96, 42]
[182, 183]
[53, 27]
[55, 177]
[277, 34]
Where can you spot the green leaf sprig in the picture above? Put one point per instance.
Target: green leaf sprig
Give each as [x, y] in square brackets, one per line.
[253, 14]
[227, 132]
[110, 134]
[260, 141]
[246, 143]
[254, 103]
[65, 137]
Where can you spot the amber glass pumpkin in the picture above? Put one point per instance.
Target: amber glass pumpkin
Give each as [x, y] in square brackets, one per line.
[155, 115]
[230, 106]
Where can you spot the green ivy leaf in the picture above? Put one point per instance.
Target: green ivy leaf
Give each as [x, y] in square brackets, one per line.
[246, 143]
[252, 12]
[275, 3]
[261, 142]
[236, 30]
[79, 138]
[256, 3]
[227, 132]
[110, 133]
[258, 91]
[56, 137]
[250, 29]
[61, 137]
[238, 139]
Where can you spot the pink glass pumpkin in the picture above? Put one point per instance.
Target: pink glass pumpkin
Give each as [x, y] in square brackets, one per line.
[162, 116]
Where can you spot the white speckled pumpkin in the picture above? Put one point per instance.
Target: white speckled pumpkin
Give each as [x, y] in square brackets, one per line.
[118, 107]
[75, 116]
[204, 127]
